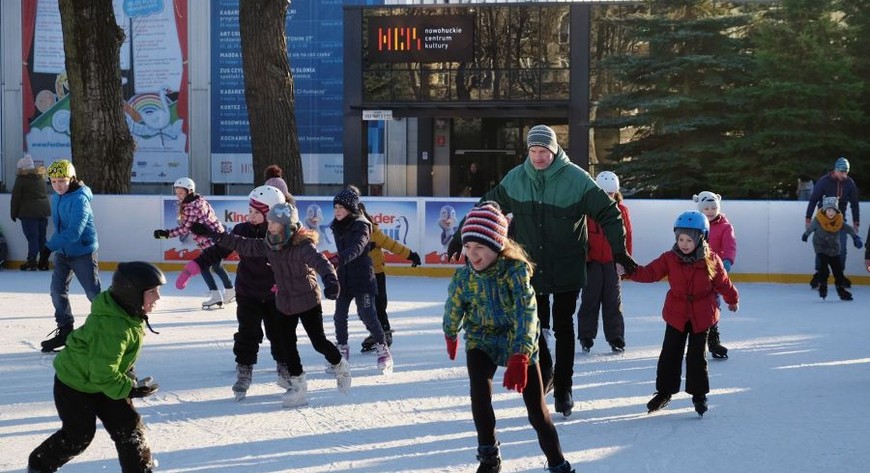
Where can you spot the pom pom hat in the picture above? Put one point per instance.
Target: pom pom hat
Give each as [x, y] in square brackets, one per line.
[25, 163]
[487, 225]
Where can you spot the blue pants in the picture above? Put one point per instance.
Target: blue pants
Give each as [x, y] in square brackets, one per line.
[221, 272]
[34, 231]
[88, 273]
[365, 308]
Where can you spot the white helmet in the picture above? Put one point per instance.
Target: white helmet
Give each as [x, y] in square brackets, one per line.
[185, 183]
[267, 195]
[608, 182]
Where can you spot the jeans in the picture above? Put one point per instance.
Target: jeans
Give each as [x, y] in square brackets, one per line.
[365, 308]
[34, 231]
[88, 273]
[221, 272]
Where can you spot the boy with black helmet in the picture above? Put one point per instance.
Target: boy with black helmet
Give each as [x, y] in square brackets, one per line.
[92, 379]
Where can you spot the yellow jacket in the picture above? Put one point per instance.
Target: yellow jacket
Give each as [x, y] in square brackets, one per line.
[383, 242]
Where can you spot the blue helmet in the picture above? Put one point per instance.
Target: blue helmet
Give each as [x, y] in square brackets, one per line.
[694, 220]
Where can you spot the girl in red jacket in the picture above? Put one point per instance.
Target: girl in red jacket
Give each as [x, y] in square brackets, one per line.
[695, 275]
[603, 289]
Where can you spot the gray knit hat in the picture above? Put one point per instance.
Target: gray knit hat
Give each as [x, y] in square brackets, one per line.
[542, 135]
[830, 203]
[284, 213]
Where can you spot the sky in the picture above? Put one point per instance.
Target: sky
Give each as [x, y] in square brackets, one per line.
[792, 397]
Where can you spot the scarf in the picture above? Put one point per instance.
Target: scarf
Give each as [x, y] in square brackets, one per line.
[830, 224]
[692, 257]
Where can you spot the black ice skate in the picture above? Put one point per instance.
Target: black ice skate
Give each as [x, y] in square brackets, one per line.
[58, 340]
[659, 401]
[844, 294]
[489, 458]
[714, 344]
[617, 345]
[814, 282]
[586, 344]
[369, 343]
[564, 402]
[847, 283]
[700, 402]
[823, 291]
[565, 467]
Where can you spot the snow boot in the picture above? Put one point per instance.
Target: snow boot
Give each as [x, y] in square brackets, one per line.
[190, 270]
[58, 340]
[385, 358]
[489, 458]
[245, 374]
[714, 344]
[564, 467]
[297, 393]
[342, 375]
[283, 375]
[844, 294]
[659, 401]
[214, 300]
[617, 345]
[823, 291]
[564, 401]
[586, 344]
[229, 295]
[700, 402]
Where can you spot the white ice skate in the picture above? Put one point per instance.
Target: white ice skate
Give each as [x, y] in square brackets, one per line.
[245, 374]
[283, 376]
[385, 358]
[297, 393]
[229, 295]
[214, 301]
[342, 375]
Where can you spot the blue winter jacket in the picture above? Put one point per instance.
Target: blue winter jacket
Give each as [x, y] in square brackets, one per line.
[74, 230]
[356, 272]
[830, 186]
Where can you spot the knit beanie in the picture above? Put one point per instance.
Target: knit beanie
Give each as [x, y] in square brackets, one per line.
[26, 163]
[278, 183]
[347, 199]
[284, 213]
[542, 135]
[487, 225]
[842, 164]
[707, 199]
[830, 203]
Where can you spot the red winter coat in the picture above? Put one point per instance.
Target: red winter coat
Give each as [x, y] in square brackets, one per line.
[722, 240]
[599, 248]
[692, 296]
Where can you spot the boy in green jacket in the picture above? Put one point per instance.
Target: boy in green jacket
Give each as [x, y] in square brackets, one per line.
[94, 374]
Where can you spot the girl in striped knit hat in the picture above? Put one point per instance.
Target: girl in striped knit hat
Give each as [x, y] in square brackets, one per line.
[491, 297]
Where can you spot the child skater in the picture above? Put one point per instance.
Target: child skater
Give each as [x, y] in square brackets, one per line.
[723, 243]
[93, 377]
[292, 253]
[826, 227]
[256, 311]
[192, 208]
[603, 288]
[695, 275]
[352, 233]
[491, 297]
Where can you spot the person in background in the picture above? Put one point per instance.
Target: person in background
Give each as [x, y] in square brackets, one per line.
[94, 375]
[274, 177]
[826, 227]
[476, 183]
[74, 244]
[695, 276]
[603, 288]
[29, 203]
[492, 299]
[722, 242]
[836, 183]
[804, 187]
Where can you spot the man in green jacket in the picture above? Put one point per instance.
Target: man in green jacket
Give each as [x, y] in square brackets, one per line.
[94, 375]
[550, 197]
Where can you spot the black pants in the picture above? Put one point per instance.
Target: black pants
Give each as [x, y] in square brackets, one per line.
[381, 300]
[603, 291]
[312, 322]
[671, 361]
[564, 304]
[255, 315]
[480, 373]
[836, 267]
[78, 414]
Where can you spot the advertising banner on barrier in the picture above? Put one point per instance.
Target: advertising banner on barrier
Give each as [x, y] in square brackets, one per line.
[441, 219]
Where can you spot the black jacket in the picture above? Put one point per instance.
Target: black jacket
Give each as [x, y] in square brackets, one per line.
[356, 273]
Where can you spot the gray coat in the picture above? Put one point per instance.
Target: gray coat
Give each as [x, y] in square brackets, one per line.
[294, 267]
[824, 242]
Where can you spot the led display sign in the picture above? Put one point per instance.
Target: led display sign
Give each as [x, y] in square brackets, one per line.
[439, 38]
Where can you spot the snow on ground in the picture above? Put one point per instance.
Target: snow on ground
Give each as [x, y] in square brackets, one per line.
[792, 398]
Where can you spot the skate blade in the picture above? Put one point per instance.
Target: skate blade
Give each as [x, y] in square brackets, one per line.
[213, 306]
[239, 395]
[366, 349]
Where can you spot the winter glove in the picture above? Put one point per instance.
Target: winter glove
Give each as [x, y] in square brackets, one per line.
[161, 234]
[858, 243]
[331, 291]
[454, 249]
[144, 387]
[44, 253]
[517, 373]
[414, 258]
[727, 263]
[201, 229]
[335, 259]
[804, 237]
[452, 345]
[627, 262]
[733, 307]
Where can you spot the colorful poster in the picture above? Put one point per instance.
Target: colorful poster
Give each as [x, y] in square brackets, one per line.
[153, 76]
[441, 220]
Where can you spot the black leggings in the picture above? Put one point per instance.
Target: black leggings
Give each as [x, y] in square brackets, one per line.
[481, 369]
[312, 322]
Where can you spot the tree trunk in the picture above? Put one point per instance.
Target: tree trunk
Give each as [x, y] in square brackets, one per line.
[102, 147]
[269, 90]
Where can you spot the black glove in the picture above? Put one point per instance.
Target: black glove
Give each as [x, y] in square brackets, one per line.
[330, 291]
[44, 253]
[804, 237]
[143, 387]
[627, 262]
[454, 248]
[201, 229]
[161, 234]
[414, 258]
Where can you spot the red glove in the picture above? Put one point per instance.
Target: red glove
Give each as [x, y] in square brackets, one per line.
[517, 374]
[452, 345]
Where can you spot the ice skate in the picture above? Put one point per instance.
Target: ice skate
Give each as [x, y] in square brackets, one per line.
[823, 291]
[214, 301]
[385, 359]
[489, 458]
[297, 392]
[617, 345]
[659, 401]
[229, 295]
[345, 351]
[58, 340]
[283, 376]
[368, 345]
[565, 467]
[714, 344]
[844, 294]
[564, 402]
[586, 344]
[700, 403]
[342, 376]
[815, 280]
[245, 374]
